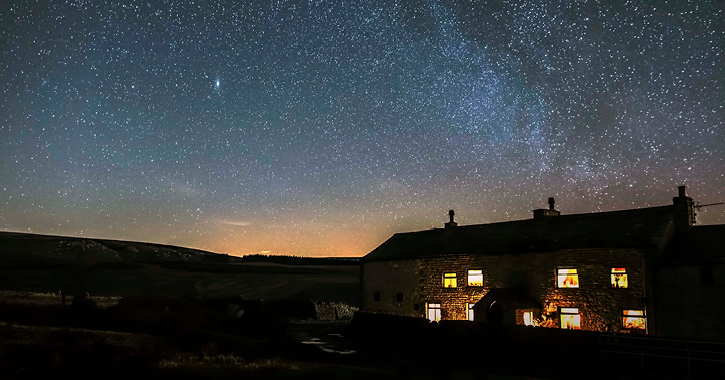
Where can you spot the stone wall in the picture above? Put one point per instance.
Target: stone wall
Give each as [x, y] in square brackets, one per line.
[332, 311]
[421, 281]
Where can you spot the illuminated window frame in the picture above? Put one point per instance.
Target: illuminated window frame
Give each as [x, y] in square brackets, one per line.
[433, 311]
[528, 318]
[469, 312]
[569, 318]
[567, 278]
[619, 278]
[450, 280]
[475, 277]
[634, 319]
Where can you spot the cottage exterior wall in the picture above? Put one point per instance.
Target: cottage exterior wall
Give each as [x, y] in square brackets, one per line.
[421, 281]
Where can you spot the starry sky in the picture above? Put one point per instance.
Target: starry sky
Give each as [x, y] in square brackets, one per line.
[320, 128]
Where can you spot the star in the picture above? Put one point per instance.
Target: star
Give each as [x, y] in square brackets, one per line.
[351, 120]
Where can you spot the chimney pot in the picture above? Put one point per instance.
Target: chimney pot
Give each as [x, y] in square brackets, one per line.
[684, 213]
[451, 223]
[543, 213]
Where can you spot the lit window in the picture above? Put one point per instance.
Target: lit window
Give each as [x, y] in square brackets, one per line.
[528, 318]
[633, 319]
[619, 278]
[475, 277]
[434, 311]
[470, 311]
[569, 318]
[449, 280]
[567, 278]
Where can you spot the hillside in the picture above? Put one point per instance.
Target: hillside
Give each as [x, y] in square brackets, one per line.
[20, 249]
[42, 263]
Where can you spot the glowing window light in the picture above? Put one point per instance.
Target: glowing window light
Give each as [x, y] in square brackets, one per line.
[619, 278]
[567, 278]
[569, 318]
[528, 318]
[470, 311]
[449, 280]
[633, 319]
[475, 277]
[433, 310]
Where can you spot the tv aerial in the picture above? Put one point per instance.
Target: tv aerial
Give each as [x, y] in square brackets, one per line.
[698, 206]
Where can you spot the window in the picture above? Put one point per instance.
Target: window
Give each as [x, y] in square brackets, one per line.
[377, 296]
[619, 278]
[567, 278]
[569, 318]
[470, 311]
[416, 306]
[528, 318]
[399, 297]
[434, 311]
[475, 277]
[633, 319]
[449, 280]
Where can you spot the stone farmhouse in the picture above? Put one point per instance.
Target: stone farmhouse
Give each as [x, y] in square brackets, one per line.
[639, 271]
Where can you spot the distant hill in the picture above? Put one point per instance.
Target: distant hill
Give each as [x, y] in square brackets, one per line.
[22, 250]
[30, 250]
[298, 260]
[45, 263]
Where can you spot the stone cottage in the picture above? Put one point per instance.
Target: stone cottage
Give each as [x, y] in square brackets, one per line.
[606, 271]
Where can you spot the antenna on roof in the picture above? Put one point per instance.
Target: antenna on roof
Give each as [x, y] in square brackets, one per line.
[698, 206]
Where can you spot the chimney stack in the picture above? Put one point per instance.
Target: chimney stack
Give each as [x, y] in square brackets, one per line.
[542, 212]
[682, 212]
[451, 223]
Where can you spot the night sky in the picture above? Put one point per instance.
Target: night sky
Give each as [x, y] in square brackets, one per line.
[320, 128]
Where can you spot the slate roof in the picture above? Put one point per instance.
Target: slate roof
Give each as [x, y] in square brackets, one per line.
[636, 228]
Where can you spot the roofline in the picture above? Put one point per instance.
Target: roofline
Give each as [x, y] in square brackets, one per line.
[532, 219]
[363, 260]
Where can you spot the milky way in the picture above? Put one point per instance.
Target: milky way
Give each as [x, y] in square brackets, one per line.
[321, 128]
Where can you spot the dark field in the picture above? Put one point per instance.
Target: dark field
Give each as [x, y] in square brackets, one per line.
[253, 281]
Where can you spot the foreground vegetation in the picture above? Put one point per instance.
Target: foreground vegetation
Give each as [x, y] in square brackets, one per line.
[146, 337]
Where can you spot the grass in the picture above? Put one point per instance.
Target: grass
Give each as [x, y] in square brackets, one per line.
[230, 362]
[59, 350]
[253, 281]
[46, 298]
